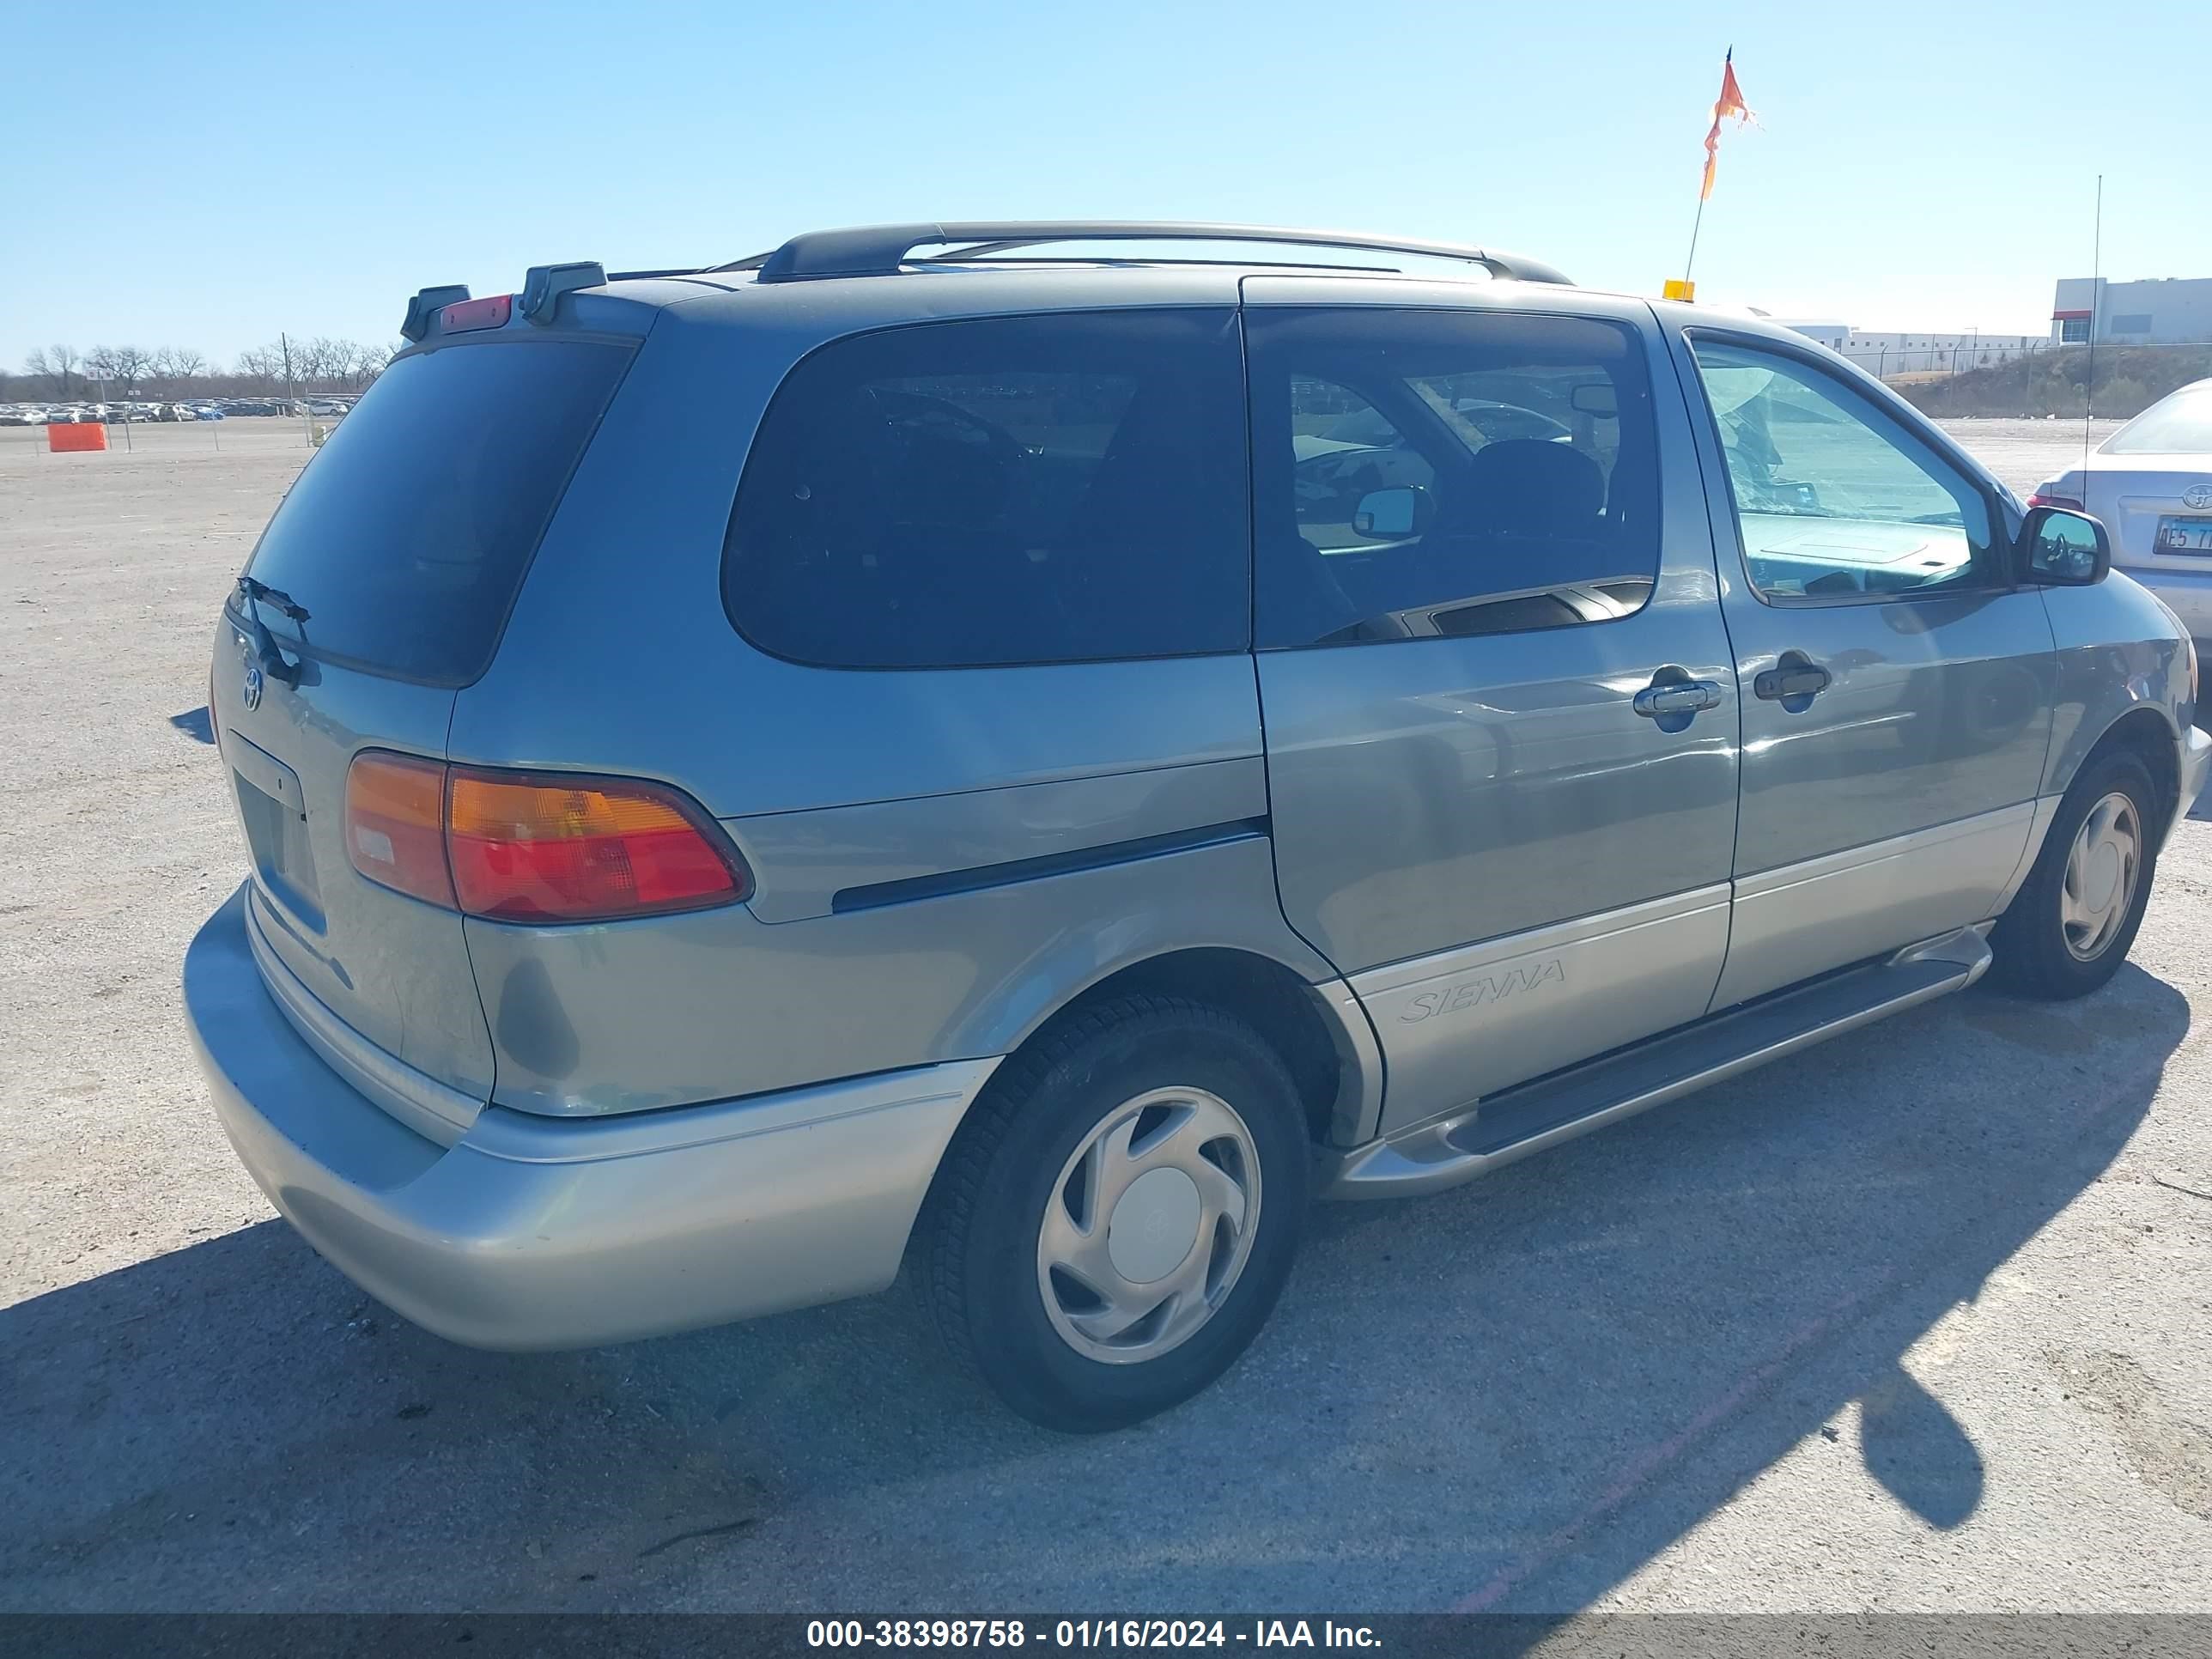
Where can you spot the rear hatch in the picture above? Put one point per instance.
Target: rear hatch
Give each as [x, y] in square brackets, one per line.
[403, 542]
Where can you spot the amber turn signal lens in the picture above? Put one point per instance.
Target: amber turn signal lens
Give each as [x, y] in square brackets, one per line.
[395, 824]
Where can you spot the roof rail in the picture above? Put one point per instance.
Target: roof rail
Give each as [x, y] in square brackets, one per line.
[877, 249]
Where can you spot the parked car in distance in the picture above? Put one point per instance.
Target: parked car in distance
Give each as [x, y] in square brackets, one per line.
[1040, 843]
[2150, 484]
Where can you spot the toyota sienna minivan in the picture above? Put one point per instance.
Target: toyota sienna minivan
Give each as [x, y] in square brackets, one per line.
[1027, 752]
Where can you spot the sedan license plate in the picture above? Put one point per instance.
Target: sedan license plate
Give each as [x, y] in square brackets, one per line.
[2183, 535]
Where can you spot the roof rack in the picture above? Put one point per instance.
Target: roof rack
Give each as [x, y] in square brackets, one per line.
[878, 250]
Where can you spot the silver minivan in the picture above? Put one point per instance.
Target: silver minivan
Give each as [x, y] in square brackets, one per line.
[1030, 768]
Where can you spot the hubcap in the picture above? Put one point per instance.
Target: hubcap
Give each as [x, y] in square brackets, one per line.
[2101, 868]
[1149, 1225]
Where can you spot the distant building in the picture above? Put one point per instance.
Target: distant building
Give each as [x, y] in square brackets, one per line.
[1916, 352]
[1913, 351]
[2167, 311]
[1831, 335]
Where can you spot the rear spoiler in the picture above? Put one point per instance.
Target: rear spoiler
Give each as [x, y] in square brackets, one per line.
[542, 288]
[423, 310]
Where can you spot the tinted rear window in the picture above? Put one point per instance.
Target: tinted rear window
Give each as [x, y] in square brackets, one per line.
[407, 536]
[1010, 489]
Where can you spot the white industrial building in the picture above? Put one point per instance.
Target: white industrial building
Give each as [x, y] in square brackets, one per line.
[1914, 351]
[1919, 352]
[2170, 310]
[1829, 334]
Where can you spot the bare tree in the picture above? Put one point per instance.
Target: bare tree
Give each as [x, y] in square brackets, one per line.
[58, 364]
[174, 364]
[308, 357]
[368, 361]
[122, 364]
[329, 363]
[256, 363]
[275, 366]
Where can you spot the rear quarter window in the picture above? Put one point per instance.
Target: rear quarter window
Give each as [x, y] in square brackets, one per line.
[408, 536]
[1057, 487]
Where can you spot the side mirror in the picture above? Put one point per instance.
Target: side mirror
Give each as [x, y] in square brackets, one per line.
[1390, 515]
[2059, 548]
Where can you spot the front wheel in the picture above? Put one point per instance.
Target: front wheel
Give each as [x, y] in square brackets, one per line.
[2070, 926]
[1114, 1221]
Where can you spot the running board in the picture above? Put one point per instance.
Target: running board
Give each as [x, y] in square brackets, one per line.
[1509, 1126]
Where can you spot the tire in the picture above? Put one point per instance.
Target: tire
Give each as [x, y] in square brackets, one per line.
[1007, 1213]
[2040, 952]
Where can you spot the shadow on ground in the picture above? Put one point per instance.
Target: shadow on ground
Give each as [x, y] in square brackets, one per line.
[1508, 1396]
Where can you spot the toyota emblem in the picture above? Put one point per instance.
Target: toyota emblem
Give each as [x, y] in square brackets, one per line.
[2197, 495]
[250, 693]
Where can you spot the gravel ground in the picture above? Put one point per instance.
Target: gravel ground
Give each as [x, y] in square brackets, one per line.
[1916, 1321]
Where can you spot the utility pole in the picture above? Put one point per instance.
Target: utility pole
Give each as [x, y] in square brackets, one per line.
[2096, 293]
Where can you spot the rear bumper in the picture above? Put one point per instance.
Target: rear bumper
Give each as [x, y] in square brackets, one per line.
[2196, 772]
[558, 1233]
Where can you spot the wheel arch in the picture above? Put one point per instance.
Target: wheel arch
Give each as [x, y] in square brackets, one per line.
[2145, 731]
[1319, 1030]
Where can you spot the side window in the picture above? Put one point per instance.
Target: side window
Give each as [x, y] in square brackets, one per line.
[1057, 487]
[1834, 500]
[1425, 473]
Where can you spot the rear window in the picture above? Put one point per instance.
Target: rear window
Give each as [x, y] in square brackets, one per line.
[407, 536]
[2180, 424]
[1012, 490]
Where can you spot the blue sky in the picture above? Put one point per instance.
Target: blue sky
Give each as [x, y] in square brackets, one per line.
[308, 166]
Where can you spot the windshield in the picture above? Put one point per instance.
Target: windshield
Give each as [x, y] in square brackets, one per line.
[2178, 424]
[407, 537]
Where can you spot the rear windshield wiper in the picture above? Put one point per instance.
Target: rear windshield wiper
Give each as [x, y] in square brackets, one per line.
[266, 654]
[277, 598]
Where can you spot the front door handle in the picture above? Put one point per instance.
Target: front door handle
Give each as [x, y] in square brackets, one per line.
[1675, 697]
[1795, 678]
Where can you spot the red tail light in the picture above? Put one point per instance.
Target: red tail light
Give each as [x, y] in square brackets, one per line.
[491, 311]
[528, 847]
[532, 846]
[2039, 498]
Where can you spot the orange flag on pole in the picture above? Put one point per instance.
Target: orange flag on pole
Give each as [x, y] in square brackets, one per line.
[1730, 102]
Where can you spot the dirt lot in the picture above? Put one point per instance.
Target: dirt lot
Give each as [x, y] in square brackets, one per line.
[1920, 1320]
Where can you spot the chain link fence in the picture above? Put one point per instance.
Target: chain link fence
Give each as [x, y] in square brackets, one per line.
[2035, 378]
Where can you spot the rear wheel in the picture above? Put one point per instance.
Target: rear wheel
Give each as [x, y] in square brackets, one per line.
[2070, 926]
[1115, 1219]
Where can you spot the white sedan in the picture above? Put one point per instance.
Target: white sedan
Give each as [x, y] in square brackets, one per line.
[2150, 484]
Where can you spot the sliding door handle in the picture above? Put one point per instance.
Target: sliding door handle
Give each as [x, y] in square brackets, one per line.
[1795, 678]
[1656, 702]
